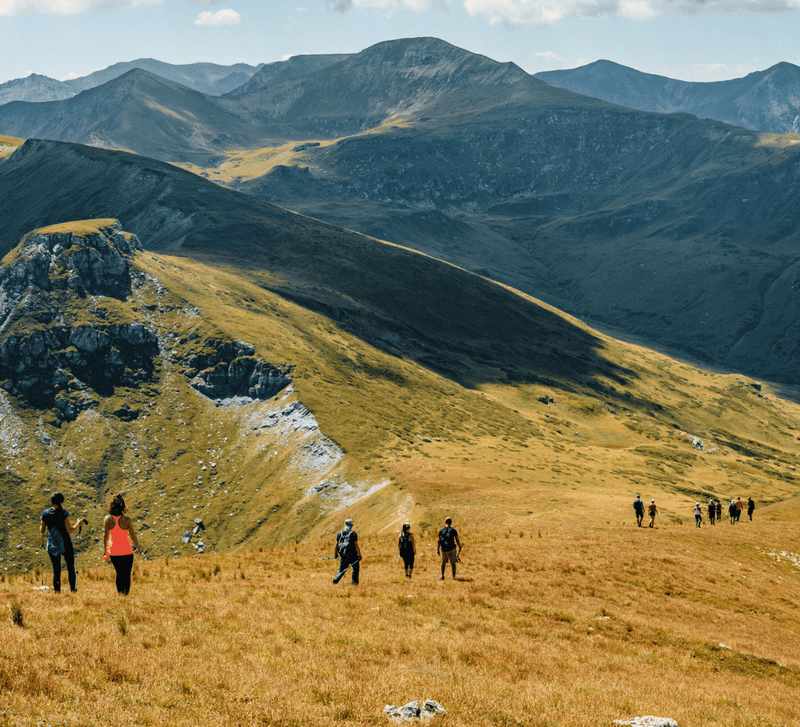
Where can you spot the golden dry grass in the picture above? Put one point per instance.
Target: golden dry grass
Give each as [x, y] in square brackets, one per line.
[245, 164]
[567, 621]
[8, 144]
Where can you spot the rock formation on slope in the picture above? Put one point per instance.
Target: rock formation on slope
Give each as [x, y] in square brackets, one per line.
[68, 333]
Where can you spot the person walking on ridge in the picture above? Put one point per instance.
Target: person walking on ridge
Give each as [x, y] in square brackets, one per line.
[652, 511]
[348, 551]
[712, 511]
[408, 549]
[751, 505]
[638, 508]
[732, 512]
[698, 515]
[719, 511]
[56, 520]
[448, 540]
[738, 508]
[117, 539]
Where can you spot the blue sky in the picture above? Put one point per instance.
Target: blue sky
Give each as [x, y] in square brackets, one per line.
[698, 40]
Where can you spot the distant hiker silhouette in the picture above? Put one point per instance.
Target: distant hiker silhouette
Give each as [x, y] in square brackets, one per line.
[712, 511]
[652, 511]
[448, 540]
[55, 519]
[348, 552]
[408, 549]
[750, 507]
[733, 512]
[698, 515]
[638, 508]
[719, 511]
[117, 537]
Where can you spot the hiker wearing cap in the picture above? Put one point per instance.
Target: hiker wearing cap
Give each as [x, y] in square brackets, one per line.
[733, 512]
[698, 515]
[652, 511]
[448, 541]
[348, 551]
[56, 521]
[712, 511]
[638, 508]
[408, 549]
[117, 537]
[751, 505]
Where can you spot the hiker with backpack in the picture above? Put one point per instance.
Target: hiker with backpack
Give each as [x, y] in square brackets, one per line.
[448, 540]
[348, 551]
[638, 508]
[719, 511]
[751, 505]
[56, 520]
[408, 549]
[712, 510]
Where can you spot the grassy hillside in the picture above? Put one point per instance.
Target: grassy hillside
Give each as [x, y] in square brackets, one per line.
[565, 620]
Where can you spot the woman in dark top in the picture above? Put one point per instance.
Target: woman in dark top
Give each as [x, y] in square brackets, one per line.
[57, 518]
[408, 549]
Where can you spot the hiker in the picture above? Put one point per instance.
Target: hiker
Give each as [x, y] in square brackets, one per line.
[732, 512]
[117, 539]
[652, 510]
[638, 508]
[751, 505]
[408, 549]
[738, 508]
[712, 511]
[56, 520]
[719, 511]
[348, 552]
[698, 515]
[448, 540]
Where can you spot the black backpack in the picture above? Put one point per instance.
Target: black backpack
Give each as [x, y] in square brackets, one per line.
[447, 538]
[55, 543]
[346, 542]
[405, 542]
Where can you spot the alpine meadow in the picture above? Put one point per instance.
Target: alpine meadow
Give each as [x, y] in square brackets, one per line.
[394, 287]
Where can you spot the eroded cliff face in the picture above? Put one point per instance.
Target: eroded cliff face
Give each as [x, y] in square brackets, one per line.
[70, 331]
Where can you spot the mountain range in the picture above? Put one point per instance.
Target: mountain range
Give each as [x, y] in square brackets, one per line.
[767, 101]
[209, 78]
[639, 221]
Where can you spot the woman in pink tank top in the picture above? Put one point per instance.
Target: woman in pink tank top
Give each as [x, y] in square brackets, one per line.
[117, 542]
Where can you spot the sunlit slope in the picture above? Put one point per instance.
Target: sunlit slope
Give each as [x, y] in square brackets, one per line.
[426, 389]
[565, 622]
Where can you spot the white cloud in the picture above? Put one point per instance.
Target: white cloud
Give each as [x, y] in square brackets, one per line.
[65, 7]
[547, 12]
[417, 6]
[71, 76]
[221, 17]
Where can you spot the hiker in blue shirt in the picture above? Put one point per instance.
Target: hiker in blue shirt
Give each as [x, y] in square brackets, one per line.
[448, 540]
[55, 519]
[348, 552]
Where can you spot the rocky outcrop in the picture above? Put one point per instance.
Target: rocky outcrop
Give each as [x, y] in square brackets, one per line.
[232, 370]
[57, 347]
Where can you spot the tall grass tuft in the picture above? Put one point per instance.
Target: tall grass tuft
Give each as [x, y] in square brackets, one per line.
[17, 614]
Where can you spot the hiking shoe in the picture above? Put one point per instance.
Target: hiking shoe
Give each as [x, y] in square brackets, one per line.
[442, 577]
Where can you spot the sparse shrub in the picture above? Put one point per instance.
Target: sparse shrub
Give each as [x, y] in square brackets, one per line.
[217, 569]
[17, 614]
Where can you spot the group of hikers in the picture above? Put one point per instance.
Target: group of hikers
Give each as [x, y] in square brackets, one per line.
[119, 539]
[348, 551]
[714, 511]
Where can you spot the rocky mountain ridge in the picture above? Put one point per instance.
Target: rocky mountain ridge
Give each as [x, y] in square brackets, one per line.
[208, 78]
[767, 101]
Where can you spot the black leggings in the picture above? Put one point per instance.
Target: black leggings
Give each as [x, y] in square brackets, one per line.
[123, 564]
[69, 558]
